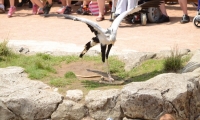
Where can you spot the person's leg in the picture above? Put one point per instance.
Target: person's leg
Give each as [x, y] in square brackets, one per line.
[63, 2]
[183, 5]
[121, 6]
[85, 2]
[78, 3]
[68, 2]
[84, 9]
[12, 8]
[2, 7]
[37, 3]
[68, 9]
[12, 3]
[50, 2]
[164, 17]
[62, 9]
[101, 4]
[163, 9]
[132, 4]
[34, 7]
[1, 2]
[47, 6]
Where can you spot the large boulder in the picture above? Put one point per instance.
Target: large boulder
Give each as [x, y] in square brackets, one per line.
[103, 104]
[74, 95]
[70, 110]
[134, 59]
[177, 94]
[194, 63]
[25, 99]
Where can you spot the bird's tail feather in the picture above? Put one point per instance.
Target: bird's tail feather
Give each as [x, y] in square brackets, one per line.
[88, 45]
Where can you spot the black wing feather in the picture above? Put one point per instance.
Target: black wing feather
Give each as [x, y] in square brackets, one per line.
[92, 29]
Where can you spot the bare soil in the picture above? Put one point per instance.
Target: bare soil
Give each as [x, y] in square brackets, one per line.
[86, 70]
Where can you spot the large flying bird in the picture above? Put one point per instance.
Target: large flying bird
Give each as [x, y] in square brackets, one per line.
[107, 37]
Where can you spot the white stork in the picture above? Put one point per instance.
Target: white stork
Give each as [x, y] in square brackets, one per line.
[107, 37]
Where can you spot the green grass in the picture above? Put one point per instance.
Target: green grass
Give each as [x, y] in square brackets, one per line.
[60, 82]
[174, 62]
[42, 67]
[70, 74]
[147, 70]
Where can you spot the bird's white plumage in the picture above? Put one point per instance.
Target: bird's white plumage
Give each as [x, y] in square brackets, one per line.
[108, 36]
[104, 34]
[118, 20]
[87, 21]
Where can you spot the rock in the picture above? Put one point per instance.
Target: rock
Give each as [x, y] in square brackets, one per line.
[194, 63]
[25, 98]
[103, 104]
[75, 95]
[167, 53]
[5, 113]
[133, 59]
[177, 94]
[69, 110]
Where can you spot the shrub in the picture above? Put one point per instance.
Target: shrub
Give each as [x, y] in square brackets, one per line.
[70, 75]
[173, 63]
[4, 50]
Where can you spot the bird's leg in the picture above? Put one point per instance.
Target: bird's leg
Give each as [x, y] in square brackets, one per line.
[108, 68]
[104, 56]
[88, 45]
[108, 72]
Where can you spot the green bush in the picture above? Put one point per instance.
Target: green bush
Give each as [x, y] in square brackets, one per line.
[173, 63]
[70, 75]
[4, 50]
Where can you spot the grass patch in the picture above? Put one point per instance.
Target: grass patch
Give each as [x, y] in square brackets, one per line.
[173, 63]
[42, 67]
[60, 82]
[70, 75]
[147, 70]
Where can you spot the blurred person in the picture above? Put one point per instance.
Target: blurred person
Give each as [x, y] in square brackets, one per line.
[164, 17]
[24, 2]
[183, 5]
[41, 7]
[2, 7]
[101, 5]
[66, 7]
[12, 8]
[124, 5]
[84, 9]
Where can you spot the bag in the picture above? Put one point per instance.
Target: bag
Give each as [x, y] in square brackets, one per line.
[94, 8]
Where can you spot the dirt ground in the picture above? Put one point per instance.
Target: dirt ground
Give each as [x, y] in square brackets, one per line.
[150, 38]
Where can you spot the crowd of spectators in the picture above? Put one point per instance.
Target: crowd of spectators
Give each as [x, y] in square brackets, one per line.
[86, 6]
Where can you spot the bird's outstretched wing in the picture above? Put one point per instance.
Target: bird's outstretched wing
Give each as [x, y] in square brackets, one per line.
[149, 3]
[94, 27]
